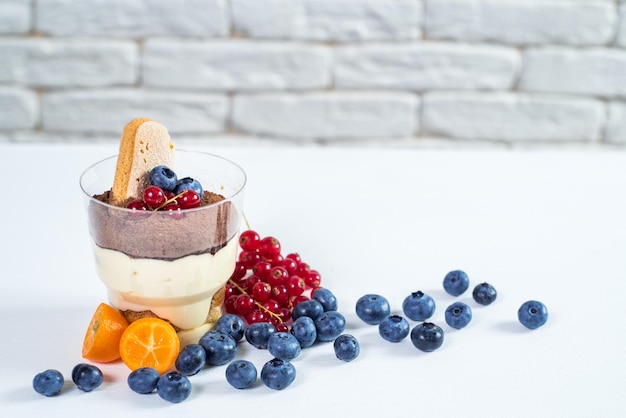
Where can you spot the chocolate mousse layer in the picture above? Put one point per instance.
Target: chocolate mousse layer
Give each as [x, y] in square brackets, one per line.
[162, 235]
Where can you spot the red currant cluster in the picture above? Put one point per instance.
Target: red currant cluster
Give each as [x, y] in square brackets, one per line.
[154, 198]
[266, 285]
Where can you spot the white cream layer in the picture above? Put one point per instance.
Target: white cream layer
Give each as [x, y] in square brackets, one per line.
[179, 291]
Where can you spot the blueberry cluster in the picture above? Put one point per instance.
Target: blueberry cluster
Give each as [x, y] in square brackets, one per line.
[314, 320]
[85, 376]
[374, 309]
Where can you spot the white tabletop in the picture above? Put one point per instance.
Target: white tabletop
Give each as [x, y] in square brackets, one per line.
[546, 225]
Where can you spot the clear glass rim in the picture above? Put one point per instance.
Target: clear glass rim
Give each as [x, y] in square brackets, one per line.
[233, 196]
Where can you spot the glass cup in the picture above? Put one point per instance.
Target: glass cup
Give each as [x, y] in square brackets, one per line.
[168, 264]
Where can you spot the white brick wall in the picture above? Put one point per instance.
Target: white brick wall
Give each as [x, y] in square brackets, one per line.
[404, 72]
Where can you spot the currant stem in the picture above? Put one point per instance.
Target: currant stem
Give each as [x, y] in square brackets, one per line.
[243, 291]
[168, 201]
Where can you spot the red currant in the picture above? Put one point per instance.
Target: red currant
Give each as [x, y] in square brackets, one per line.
[153, 196]
[139, 209]
[250, 282]
[230, 291]
[249, 240]
[239, 272]
[262, 269]
[269, 247]
[298, 299]
[173, 211]
[284, 314]
[295, 257]
[261, 291]
[249, 258]
[229, 304]
[189, 199]
[282, 328]
[303, 269]
[277, 276]
[280, 295]
[290, 265]
[295, 286]
[271, 305]
[255, 316]
[313, 278]
[244, 304]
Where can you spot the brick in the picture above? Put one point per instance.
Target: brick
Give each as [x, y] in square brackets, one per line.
[616, 126]
[136, 18]
[235, 65]
[595, 71]
[63, 63]
[328, 20]
[426, 66]
[327, 115]
[521, 22]
[19, 108]
[512, 117]
[14, 17]
[93, 111]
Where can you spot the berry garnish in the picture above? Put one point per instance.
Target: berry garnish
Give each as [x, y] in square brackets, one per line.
[188, 183]
[163, 177]
[188, 199]
[154, 196]
[249, 240]
[418, 306]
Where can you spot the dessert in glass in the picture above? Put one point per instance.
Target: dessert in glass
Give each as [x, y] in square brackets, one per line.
[167, 262]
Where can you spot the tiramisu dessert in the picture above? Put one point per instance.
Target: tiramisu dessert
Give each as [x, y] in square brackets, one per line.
[164, 226]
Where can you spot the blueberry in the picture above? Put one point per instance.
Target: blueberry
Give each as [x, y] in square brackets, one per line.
[372, 309]
[48, 382]
[394, 328]
[188, 183]
[174, 387]
[532, 314]
[346, 347]
[191, 359]
[311, 308]
[304, 330]
[163, 177]
[326, 298]
[231, 324]
[283, 345]
[143, 380]
[87, 377]
[456, 282]
[278, 374]
[220, 347]
[427, 336]
[259, 333]
[484, 294]
[330, 325]
[241, 374]
[418, 306]
[458, 315]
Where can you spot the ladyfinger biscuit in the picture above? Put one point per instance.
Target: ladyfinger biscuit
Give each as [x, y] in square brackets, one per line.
[144, 145]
